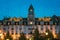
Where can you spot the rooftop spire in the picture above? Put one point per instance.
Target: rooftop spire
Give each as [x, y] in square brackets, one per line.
[31, 7]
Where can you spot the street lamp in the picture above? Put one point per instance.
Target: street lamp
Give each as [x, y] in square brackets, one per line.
[46, 33]
[7, 39]
[31, 38]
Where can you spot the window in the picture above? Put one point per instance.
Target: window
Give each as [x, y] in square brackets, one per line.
[13, 22]
[41, 27]
[20, 22]
[8, 23]
[42, 23]
[12, 32]
[30, 32]
[47, 23]
[20, 28]
[16, 32]
[29, 28]
[12, 28]
[17, 23]
[51, 22]
[54, 23]
[4, 23]
[38, 23]
[4, 28]
[0, 23]
[51, 27]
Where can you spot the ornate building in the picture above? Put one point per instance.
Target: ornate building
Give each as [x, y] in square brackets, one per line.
[15, 26]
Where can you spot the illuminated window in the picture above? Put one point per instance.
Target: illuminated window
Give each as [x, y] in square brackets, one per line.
[8, 23]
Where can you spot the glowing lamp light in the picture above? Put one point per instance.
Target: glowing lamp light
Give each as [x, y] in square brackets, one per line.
[14, 37]
[46, 33]
[48, 39]
[7, 39]
[30, 39]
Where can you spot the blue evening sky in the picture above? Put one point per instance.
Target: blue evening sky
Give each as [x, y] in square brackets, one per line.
[19, 8]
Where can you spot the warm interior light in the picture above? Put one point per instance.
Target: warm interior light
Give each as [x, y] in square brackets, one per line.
[0, 34]
[27, 36]
[55, 36]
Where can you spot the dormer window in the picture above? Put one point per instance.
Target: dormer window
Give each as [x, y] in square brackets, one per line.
[16, 23]
[8, 23]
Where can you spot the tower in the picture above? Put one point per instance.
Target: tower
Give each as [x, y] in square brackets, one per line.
[31, 15]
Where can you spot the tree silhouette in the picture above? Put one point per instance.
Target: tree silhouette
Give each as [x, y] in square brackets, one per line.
[8, 36]
[50, 35]
[22, 37]
[36, 35]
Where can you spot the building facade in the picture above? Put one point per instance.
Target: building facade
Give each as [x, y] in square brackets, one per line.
[15, 26]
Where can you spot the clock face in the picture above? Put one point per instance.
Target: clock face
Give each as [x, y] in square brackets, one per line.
[31, 10]
[31, 23]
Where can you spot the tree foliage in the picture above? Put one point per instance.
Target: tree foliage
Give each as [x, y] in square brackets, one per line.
[8, 36]
[50, 35]
[36, 35]
[22, 37]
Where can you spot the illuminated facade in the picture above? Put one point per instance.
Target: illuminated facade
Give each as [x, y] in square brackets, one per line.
[27, 25]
